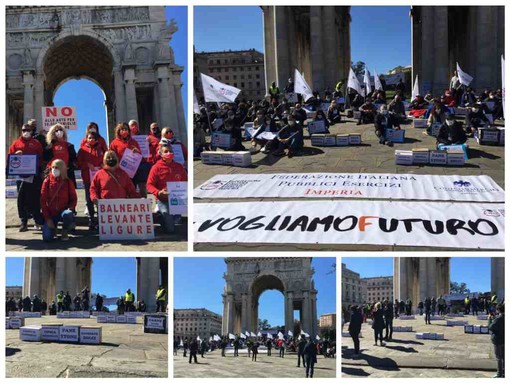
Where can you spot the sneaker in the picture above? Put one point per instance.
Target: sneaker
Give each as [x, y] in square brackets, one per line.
[23, 227]
[65, 236]
[37, 227]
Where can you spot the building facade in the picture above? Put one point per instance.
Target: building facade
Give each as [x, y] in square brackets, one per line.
[327, 321]
[13, 292]
[377, 289]
[190, 323]
[241, 69]
[351, 287]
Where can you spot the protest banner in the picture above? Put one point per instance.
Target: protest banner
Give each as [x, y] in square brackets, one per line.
[419, 224]
[221, 140]
[125, 219]
[316, 127]
[22, 165]
[352, 185]
[65, 115]
[143, 144]
[178, 154]
[177, 197]
[130, 162]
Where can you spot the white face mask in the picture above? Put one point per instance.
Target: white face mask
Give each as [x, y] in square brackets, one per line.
[449, 122]
[292, 123]
[55, 172]
[26, 135]
[475, 110]
[59, 134]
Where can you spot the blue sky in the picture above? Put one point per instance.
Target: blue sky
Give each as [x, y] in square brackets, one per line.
[91, 107]
[380, 36]
[110, 276]
[199, 283]
[475, 272]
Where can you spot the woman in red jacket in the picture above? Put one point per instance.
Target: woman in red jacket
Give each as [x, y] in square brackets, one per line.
[59, 149]
[163, 171]
[169, 135]
[111, 181]
[93, 128]
[153, 138]
[58, 201]
[90, 160]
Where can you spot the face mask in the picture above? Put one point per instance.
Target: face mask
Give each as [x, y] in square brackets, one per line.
[26, 135]
[59, 134]
[168, 156]
[134, 130]
[475, 110]
[55, 172]
[292, 123]
[169, 135]
[92, 141]
[93, 130]
[111, 162]
[124, 134]
[449, 122]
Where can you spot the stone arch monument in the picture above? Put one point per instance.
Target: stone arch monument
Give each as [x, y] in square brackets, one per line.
[247, 278]
[124, 50]
[45, 277]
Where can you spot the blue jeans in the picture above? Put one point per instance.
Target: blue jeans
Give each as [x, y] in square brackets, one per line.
[66, 217]
[167, 220]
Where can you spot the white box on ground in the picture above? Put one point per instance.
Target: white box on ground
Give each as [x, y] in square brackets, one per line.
[50, 332]
[476, 329]
[30, 333]
[440, 336]
[7, 323]
[420, 156]
[121, 319]
[318, 140]
[329, 140]
[419, 123]
[354, 139]
[484, 329]
[455, 157]
[468, 329]
[16, 323]
[91, 334]
[403, 157]
[131, 319]
[241, 159]
[155, 323]
[437, 157]
[102, 319]
[419, 335]
[111, 318]
[69, 333]
[342, 140]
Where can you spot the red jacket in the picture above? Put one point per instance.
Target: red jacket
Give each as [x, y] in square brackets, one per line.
[153, 148]
[119, 146]
[30, 146]
[57, 195]
[161, 173]
[104, 186]
[89, 155]
[100, 141]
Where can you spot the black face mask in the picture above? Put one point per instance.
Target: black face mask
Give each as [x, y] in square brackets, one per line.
[111, 162]
[155, 132]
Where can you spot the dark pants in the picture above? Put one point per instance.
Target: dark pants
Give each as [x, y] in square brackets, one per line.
[29, 201]
[282, 352]
[299, 358]
[427, 316]
[268, 352]
[90, 205]
[310, 362]
[222, 352]
[236, 351]
[499, 351]
[160, 306]
[389, 328]
[254, 356]
[193, 355]
[59, 307]
[366, 117]
[378, 332]
[355, 339]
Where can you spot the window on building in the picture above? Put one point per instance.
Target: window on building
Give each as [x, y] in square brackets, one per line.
[258, 84]
[227, 77]
[242, 77]
[249, 76]
[242, 85]
[235, 84]
[257, 76]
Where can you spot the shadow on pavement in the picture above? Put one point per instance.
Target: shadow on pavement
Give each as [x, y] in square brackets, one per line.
[404, 341]
[477, 153]
[354, 371]
[402, 348]
[10, 351]
[386, 364]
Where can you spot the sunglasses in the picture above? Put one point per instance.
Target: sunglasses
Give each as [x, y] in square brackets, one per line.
[26, 130]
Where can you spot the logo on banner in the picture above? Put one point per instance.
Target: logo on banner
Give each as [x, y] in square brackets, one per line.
[491, 213]
[15, 162]
[462, 183]
[212, 185]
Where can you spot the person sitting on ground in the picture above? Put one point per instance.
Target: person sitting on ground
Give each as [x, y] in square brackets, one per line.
[232, 126]
[266, 145]
[497, 105]
[398, 108]
[58, 201]
[475, 118]
[384, 120]
[357, 102]
[437, 116]
[299, 114]
[418, 107]
[468, 98]
[334, 113]
[379, 99]
[290, 138]
[320, 116]
[367, 112]
[450, 132]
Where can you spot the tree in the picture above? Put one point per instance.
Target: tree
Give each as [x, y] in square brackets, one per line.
[333, 269]
[459, 288]
[358, 68]
[264, 324]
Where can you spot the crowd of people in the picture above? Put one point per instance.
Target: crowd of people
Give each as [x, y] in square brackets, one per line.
[50, 197]
[306, 348]
[286, 119]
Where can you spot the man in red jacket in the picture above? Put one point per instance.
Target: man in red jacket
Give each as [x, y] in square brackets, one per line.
[29, 190]
[111, 182]
[163, 171]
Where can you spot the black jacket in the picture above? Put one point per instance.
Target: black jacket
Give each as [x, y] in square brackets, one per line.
[451, 134]
[355, 323]
[497, 329]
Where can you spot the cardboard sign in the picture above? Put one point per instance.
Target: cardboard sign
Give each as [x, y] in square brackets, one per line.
[434, 129]
[316, 127]
[403, 157]
[30, 333]
[111, 318]
[69, 334]
[342, 140]
[221, 140]
[64, 115]
[22, 165]
[395, 135]
[155, 323]
[178, 154]
[354, 139]
[143, 144]
[291, 97]
[16, 323]
[437, 157]
[268, 136]
[125, 219]
[130, 162]
[102, 319]
[90, 335]
[419, 123]
[50, 332]
[131, 319]
[121, 319]
[178, 198]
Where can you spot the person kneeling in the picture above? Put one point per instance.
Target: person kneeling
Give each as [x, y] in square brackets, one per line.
[163, 171]
[384, 120]
[290, 138]
[58, 201]
[451, 132]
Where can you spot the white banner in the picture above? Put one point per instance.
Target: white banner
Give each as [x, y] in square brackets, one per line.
[301, 86]
[353, 83]
[65, 115]
[215, 91]
[449, 225]
[464, 78]
[352, 185]
[377, 81]
[125, 219]
[366, 80]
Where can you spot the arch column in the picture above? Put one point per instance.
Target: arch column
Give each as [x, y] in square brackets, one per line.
[131, 105]
[120, 96]
[306, 319]
[498, 276]
[244, 312]
[179, 110]
[167, 102]
[28, 95]
[148, 281]
[39, 99]
[289, 311]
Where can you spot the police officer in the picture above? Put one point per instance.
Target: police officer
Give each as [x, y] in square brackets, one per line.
[129, 298]
[60, 301]
[161, 299]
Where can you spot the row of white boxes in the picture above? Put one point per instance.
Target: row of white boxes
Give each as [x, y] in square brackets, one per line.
[436, 317]
[430, 335]
[129, 318]
[456, 322]
[486, 136]
[419, 156]
[482, 317]
[241, 159]
[57, 332]
[345, 334]
[24, 314]
[406, 317]
[14, 323]
[402, 329]
[336, 139]
[476, 329]
[73, 314]
[457, 315]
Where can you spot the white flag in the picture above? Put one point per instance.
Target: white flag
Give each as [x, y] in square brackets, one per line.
[503, 81]
[242, 336]
[215, 91]
[269, 336]
[181, 344]
[305, 334]
[210, 339]
[259, 334]
[301, 87]
[247, 333]
[217, 338]
[280, 335]
[289, 333]
[231, 336]
[198, 338]
[464, 78]
[353, 83]
[252, 334]
[377, 82]
[416, 89]
[196, 108]
[366, 80]
[317, 337]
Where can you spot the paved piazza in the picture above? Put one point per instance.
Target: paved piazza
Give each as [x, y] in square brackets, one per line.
[125, 352]
[459, 355]
[82, 240]
[213, 365]
[370, 157]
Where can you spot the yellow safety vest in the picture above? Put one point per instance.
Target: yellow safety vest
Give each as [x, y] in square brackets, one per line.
[60, 298]
[129, 297]
[161, 295]
[494, 299]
